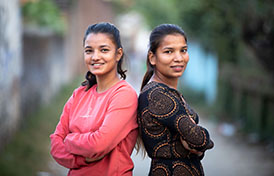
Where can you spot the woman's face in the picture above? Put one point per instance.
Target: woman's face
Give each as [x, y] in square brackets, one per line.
[171, 57]
[101, 54]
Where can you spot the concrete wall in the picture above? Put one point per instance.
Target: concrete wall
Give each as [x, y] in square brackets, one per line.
[43, 63]
[10, 68]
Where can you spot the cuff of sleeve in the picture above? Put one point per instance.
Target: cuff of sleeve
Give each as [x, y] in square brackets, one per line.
[210, 145]
[81, 161]
[202, 156]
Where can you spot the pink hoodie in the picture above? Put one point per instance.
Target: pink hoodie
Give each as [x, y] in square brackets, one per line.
[94, 125]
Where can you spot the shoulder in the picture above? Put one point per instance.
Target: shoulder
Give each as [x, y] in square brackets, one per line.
[79, 91]
[154, 89]
[122, 94]
[123, 86]
[76, 95]
[123, 89]
[158, 99]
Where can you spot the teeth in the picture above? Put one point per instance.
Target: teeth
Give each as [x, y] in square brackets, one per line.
[96, 64]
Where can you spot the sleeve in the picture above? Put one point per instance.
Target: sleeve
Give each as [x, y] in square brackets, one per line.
[168, 110]
[119, 121]
[58, 150]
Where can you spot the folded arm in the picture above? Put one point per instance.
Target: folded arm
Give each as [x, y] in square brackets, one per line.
[169, 111]
[58, 151]
[119, 121]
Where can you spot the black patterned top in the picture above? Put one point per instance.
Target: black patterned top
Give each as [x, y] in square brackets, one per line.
[163, 118]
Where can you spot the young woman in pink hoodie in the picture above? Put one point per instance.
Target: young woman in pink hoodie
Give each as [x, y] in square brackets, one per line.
[97, 130]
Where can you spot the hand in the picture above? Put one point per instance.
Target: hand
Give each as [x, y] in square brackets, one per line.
[90, 160]
[185, 144]
[192, 120]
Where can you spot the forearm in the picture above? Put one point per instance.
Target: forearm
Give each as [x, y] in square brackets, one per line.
[91, 160]
[99, 143]
[196, 136]
[62, 156]
[119, 121]
[84, 145]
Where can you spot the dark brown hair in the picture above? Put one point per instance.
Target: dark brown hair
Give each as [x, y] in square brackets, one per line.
[156, 37]
[114, 33]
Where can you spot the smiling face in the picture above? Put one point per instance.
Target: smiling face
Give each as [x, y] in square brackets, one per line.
[101, 54]
[171, 57]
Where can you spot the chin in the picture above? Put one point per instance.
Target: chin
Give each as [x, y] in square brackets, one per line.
[96, 73]
[178, 75]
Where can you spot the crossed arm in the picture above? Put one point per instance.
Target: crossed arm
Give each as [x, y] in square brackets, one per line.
[58, 151]
[74, 150]
[193, 137]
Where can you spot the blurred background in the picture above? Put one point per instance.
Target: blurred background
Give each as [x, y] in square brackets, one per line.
[229, 80]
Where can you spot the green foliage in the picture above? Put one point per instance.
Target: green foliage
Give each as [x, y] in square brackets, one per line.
[210, 22]
[220, 26]
[43, 13]
[158, 12]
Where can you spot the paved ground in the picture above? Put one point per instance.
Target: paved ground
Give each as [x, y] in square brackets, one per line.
[234, 156]
[230, 157]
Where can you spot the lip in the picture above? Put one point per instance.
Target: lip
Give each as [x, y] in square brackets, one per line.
[177, 68]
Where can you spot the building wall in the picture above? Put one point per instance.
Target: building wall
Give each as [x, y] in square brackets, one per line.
[43, 62]
[10, 68]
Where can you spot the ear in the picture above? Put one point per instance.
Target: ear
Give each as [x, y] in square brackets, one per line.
[152, 58]
[119, 54]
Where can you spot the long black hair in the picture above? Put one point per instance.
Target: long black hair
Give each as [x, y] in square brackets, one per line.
[114, 33]
[156, 37]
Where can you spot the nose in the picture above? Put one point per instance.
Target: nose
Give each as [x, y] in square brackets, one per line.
[178, 57]
[95, 56]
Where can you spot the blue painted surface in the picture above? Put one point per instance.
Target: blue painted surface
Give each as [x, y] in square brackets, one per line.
[202, 72]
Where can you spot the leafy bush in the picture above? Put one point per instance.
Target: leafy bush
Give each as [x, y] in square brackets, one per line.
[43, 13]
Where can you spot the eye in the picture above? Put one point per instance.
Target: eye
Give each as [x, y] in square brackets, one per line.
[168, 51]
[184, 50]
[104, 50]
[88, 51]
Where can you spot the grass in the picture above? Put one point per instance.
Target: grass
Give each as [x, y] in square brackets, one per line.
[28, 151]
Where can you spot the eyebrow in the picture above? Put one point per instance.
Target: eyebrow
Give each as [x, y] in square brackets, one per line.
[173, 48]
[101, 46]
[87, 47]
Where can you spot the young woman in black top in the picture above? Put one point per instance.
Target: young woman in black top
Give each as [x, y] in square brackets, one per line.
[168, 126]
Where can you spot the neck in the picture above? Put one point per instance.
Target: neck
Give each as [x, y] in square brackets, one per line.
[106, 82]
[171, 82]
